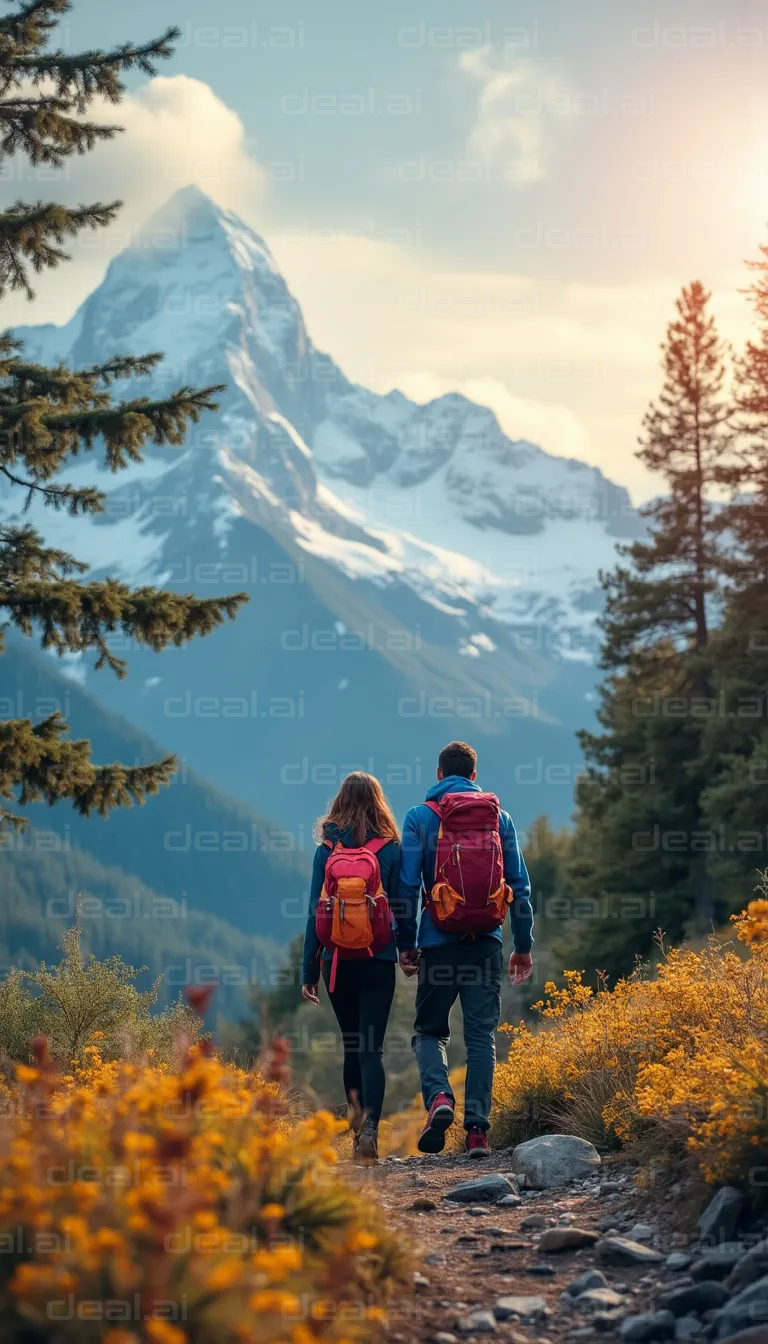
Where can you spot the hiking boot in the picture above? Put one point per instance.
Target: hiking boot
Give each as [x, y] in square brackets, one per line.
[439, 1119]
[476, 1142]
[367, 1143]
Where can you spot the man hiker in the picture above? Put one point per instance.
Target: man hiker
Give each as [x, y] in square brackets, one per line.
[461, 857]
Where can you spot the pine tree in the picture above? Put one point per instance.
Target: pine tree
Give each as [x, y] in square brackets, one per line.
[640, 821]
[48, 416]
[687, 435]
[736, 738]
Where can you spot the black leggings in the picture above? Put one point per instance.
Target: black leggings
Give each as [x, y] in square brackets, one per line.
[361, 1000]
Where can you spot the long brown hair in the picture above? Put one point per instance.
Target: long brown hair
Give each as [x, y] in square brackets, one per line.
[360, 806]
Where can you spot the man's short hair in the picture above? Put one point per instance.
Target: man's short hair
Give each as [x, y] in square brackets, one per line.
[458, 758]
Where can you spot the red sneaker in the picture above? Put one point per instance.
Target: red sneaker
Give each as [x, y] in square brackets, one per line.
[476, 1143]
[439, 1119]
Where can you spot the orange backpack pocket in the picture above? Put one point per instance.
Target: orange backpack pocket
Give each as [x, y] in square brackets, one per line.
[445, 900]
[352, 926]
[502, 898]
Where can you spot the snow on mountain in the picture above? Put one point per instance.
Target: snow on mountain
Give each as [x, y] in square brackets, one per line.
[434, 497]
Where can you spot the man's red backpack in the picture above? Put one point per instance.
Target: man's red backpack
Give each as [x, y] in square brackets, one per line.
[353, 915]
[469, 894]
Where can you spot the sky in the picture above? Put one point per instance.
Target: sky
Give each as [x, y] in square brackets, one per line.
[502, 199]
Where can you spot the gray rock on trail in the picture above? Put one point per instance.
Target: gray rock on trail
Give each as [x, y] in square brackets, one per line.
[477, 1323]
[753, 1266]
[707, 1295]
[534, 1221]
[623, 1251]
[677, 1261]
[566, 1239]
[642, 1232]
[756, 1334]
[599, 1299]
[748, 1308]
[591, 1278]
[487, 1189]
[510, 1201]
[554, 1159]
[650, 1326]
[720, 1219]
[719, 1262]
[519, 1305]
[687, 1327]
[605, 1321]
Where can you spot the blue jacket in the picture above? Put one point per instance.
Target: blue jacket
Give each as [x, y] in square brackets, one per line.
[404, 933]
[417, 872]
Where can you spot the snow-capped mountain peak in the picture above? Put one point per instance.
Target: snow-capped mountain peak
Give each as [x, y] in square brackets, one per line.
[434, 497]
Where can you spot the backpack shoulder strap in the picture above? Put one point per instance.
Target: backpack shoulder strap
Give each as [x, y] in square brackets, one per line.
[434, 807]
[378, 842]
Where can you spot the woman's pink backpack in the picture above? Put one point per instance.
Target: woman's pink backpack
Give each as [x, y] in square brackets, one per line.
[353, 915]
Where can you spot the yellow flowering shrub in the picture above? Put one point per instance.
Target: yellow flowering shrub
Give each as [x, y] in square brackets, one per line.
[678, 1061]
[145, 1203]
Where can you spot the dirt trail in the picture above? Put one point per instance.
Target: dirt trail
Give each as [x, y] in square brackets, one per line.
[488, 1255]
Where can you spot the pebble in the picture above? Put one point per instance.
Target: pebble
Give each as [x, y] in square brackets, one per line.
[677, 1260]
[479, 1322]
[509, 1201]
[519, 1305]
[591, 1278]
[436, 1258]
[488, 1189]
[423, 1205]
[419, 1281]
[566, 1239]
[625, 1251]
[608, 1320]
[651, 1326]
[544, 1271]
[642, 1232]
[443, 1337]
[687, 1327]
[476, 1212]
[707, 1295]
[533, 1221]
[609, 1188]
[599, 1298]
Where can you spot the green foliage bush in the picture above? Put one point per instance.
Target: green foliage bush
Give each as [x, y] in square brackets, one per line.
[83, 999]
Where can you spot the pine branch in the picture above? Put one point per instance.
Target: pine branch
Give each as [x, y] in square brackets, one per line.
[29, 23]
[86, 499]
[24, 557]
[127, 366]
[42, 129]
[90, 74]
[74, 617]
[38, 764]
[26, 232]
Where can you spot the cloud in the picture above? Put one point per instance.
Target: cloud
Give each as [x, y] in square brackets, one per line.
[176, 132]
[519, 104]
